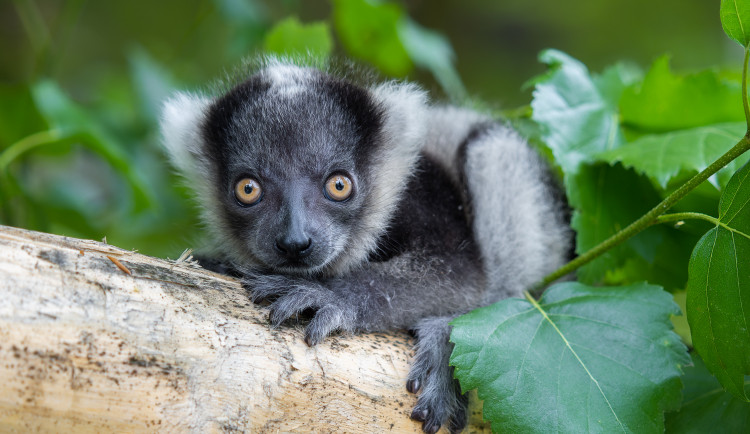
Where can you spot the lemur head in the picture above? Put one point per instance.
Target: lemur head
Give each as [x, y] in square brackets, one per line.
[296, 170]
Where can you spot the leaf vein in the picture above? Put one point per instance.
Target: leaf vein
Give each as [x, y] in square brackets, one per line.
[583, 365]
[616, 326]
[708, 305]
[615, 361]
[734, 195]
[558, 395]
[739, 19]
[739, 287]
[584, 297]
[525, 354]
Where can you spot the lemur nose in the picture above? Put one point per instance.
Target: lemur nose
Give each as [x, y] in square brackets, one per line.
[294, 248]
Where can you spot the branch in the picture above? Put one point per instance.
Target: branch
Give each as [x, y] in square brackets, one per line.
[650, 218]
[172, 347]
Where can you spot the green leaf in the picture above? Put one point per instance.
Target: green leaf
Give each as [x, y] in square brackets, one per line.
[659, 256]
[582, 359]
[68, 121]
[613, 81]
[432, 51]
[663, 156]
[664, 101]
[679, 322]
[706, 407]
[290, 37]
[579, 119]
[369, 30]
[735, 19]
[718, 298]
[243, 12]
[605, 199]
[153, 83]
[18, 115]
[247, 20]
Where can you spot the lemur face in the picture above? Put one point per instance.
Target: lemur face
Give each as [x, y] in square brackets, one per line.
[296, 171]
[290, 151]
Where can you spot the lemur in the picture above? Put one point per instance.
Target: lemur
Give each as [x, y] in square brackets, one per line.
[369, 206]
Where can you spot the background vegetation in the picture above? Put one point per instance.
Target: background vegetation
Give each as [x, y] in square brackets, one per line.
[113, 62]
[637, 97]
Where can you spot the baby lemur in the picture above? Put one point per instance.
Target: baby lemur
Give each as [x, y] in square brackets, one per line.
[368, 206]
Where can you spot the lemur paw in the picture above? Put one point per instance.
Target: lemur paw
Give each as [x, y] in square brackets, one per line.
[292, 296]
[297, 299]
[265, 287]
[328, 319]
[440, 400]
[436, 407]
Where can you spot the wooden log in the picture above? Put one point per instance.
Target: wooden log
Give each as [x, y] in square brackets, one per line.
[94, 338]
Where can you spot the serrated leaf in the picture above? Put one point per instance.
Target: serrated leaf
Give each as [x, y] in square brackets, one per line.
[735, 19]
[369, 31]
[659, 256]
[605, 199]
[665, 101]
[663, 156]
[706, 407]
[613, 81]
[582, 359]
[579, 120]
[69, 120]
[291, 37]
[718, 299]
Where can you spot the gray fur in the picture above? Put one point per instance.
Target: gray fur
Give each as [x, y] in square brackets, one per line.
[515, 213]
[449, 212]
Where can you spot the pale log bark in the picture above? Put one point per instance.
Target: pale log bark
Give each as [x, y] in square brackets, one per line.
[87, 347]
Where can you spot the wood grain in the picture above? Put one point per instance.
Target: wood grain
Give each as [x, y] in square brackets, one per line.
[170, 347]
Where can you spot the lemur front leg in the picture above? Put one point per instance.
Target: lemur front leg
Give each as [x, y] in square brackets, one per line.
[385, 296]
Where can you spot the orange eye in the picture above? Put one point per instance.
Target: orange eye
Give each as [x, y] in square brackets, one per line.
[248, 191]
[338, 188]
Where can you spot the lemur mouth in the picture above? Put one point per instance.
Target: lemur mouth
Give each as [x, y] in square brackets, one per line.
[297, 267]
[294, 264]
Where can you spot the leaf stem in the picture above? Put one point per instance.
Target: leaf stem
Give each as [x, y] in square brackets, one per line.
[650, 217]
[744, 89]
[27, 143]
[676, 217]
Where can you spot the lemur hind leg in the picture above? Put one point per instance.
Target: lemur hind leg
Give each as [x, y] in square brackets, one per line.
[440, 400]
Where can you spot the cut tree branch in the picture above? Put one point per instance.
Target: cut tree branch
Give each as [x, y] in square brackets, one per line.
[87, 347]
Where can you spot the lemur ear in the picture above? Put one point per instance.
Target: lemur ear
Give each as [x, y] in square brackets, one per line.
[181, 121]
[405, 114]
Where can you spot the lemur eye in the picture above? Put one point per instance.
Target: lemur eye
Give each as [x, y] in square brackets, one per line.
[248, 191]
[338, 188]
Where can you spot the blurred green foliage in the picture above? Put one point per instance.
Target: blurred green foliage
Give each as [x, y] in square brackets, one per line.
[81, 83]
